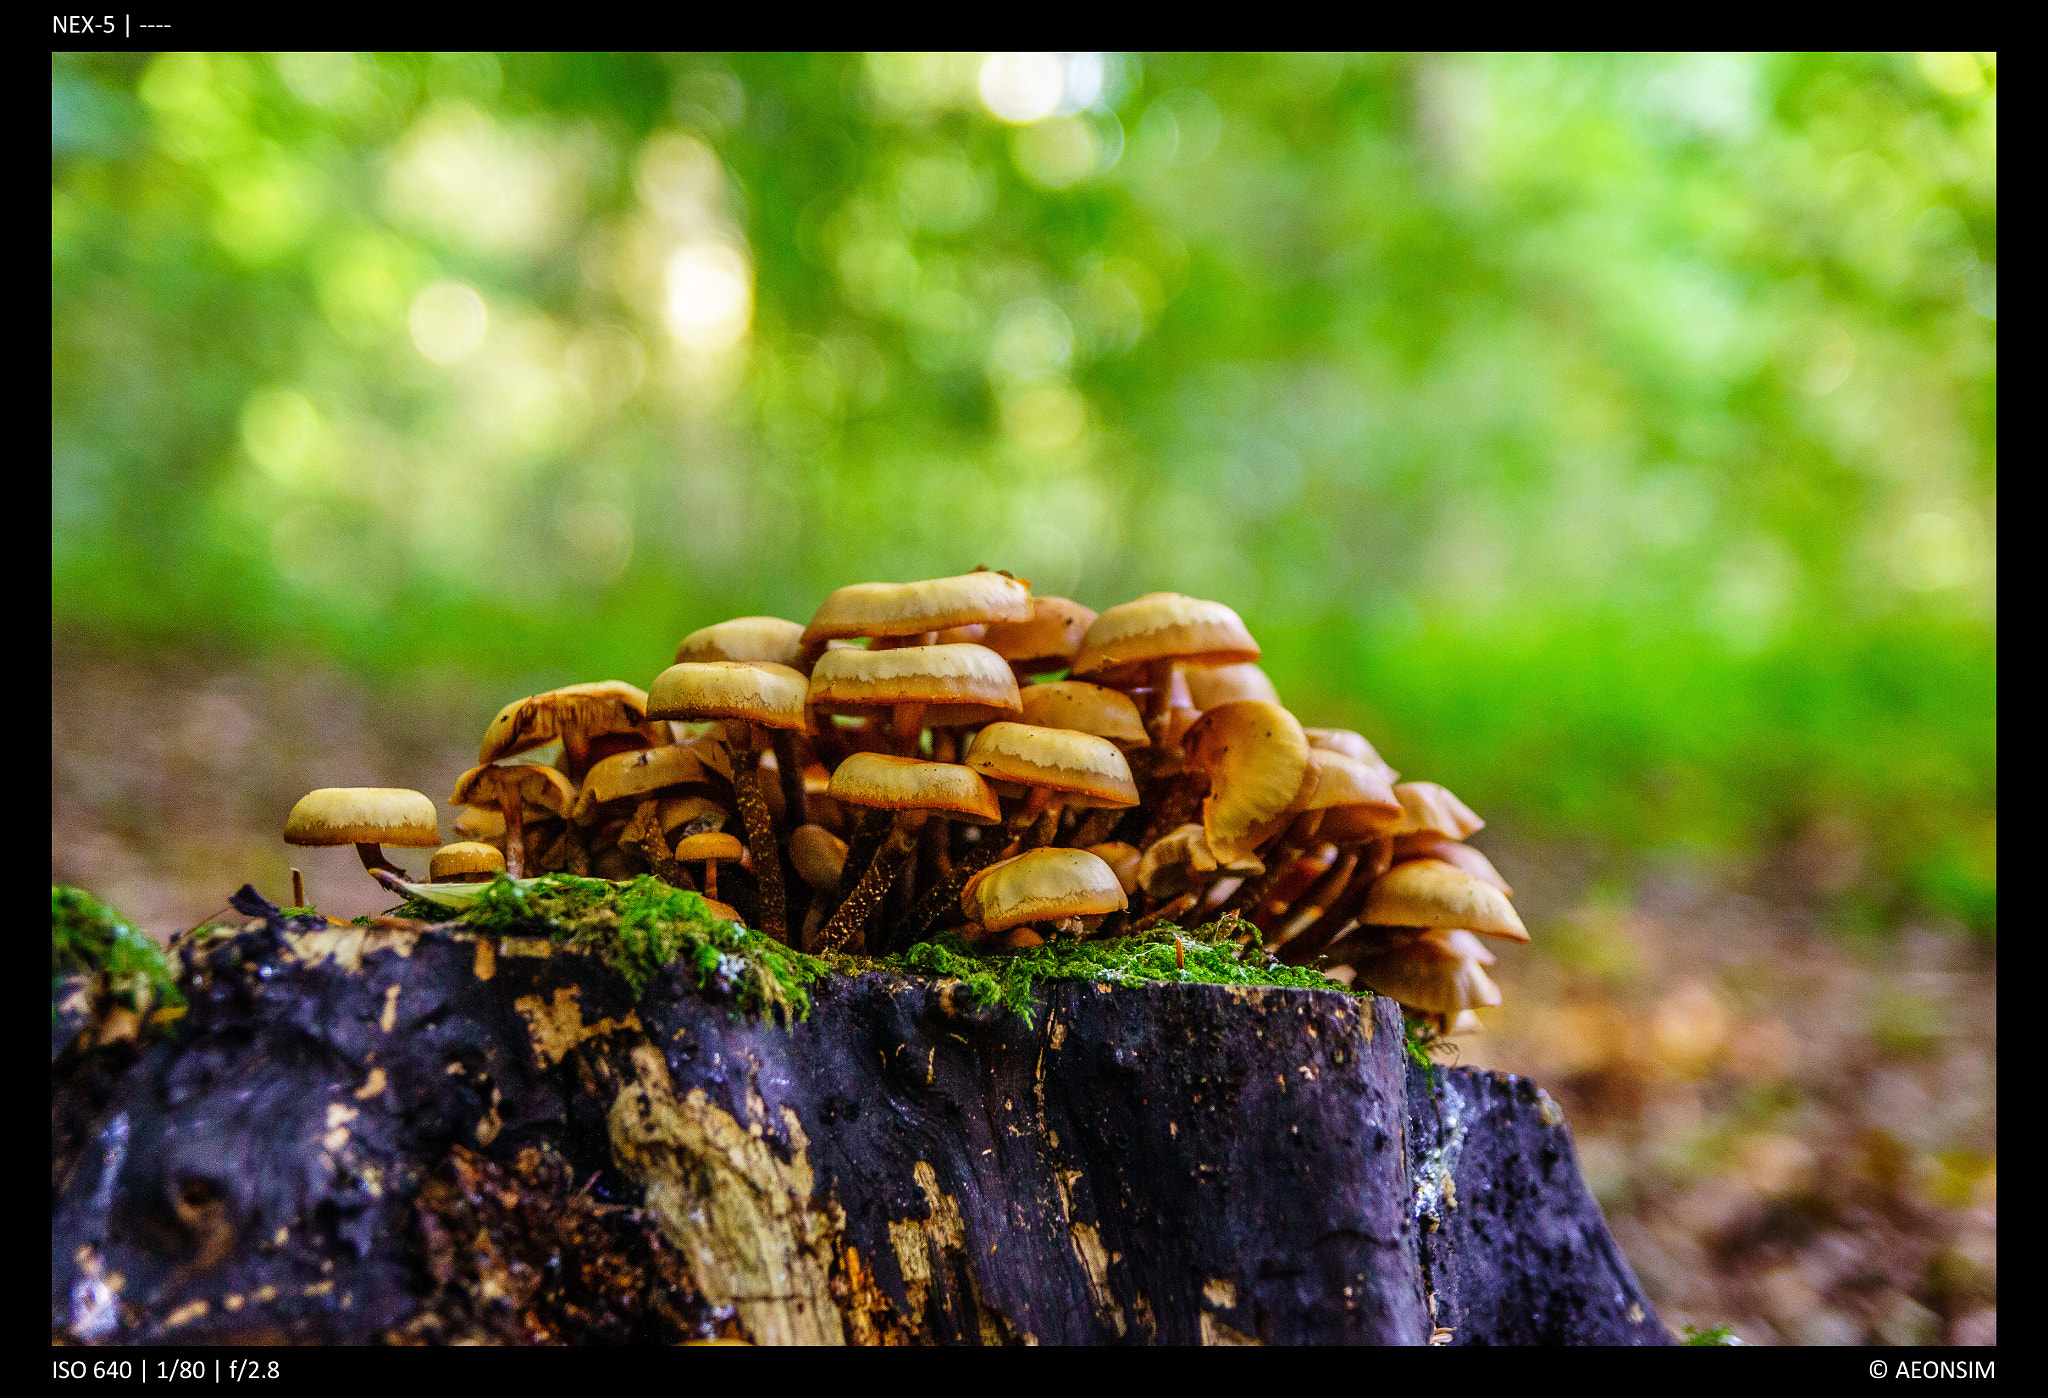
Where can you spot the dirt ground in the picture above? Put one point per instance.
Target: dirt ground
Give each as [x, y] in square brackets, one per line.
[1793, 1129]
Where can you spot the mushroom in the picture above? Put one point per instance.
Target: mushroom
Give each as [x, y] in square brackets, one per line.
[1069, 888]
[465, 861]
[512, 787]
[1085, 708]
[1431, 974]
[913, 791]
[481, 824]
[1453, 852]
[1431, 893]
[748, 639]
[576, 715]
[893, 611]
[755, 698]
[1123, 859]
[1431, 814]
[1225, 683]
[710, 849]
[1059, 766]
[1352, 745]
[1048, 641]
[1138, 643]
[1257, 763]
[819, 856]
[367, 817]
[641, 778]
[908, 679]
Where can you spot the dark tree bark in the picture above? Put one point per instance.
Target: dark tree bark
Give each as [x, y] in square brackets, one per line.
[416, 1135]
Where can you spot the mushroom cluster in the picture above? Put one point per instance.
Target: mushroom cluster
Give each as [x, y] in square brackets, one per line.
[957, 755]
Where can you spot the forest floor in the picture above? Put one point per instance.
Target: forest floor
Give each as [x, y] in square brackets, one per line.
[1792, 1127]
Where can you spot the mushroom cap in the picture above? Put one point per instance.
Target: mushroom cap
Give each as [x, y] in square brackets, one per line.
[1122, 858]
[681, 810]
[909, 784]
[1458, 940]
[363, 815]
[955, 674]
[819, 856]
[1049, 640]
[608, 706]
[1431, 893]
[1257, 761]
[1223, 683]
[1351, 745]
[958, 635]
[714, 845]
[906, 609]
[464, 857]
[1357, 796]
[1454, 852]
[537, 786]
[1432, 810]
[1085, 708]
[1165, 626]
[1465, 1022]
[636, 773]
[479, 823]
[748, 639]
[756, 691]
[1185, 848]
[1041, 884]
[1426, 975]
[1058, 759]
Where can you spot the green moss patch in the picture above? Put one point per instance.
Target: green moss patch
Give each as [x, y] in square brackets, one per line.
[1207, 955]
[638, 928]
[88, 937]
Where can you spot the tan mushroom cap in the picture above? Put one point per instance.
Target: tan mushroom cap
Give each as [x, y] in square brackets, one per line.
[464, 857]
[637, 773]
[1454, 852]
[819, 856]
[1432, 810]
[747, 639]
[1040, 885]
[608, 706]
[907, 609]
[1357, 799]
[762, 692]
[1463, 943]
[1351, 745]
[1426, 975]
[955, 674]
[1123, 859]
[1465, 1022]
[713, 845]
[1049, 640]
[681, 810]
[1222, 684]
[1085, 708]
[1257, 761]
[363, 815]
[537, 786]
[907, 784]
[1431, 893]
[480, 823]
[1186, 847]
[1165, 626]
[1057, 759]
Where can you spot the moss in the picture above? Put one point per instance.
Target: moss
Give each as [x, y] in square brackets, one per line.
[638, 928]
[1713, 1335]
[88, 937]
[1210, 953]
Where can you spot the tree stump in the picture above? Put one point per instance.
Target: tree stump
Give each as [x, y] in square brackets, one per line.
[415, 1134]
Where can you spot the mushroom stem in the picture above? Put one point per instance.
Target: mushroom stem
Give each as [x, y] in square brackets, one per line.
[1095, 827]
[945, 894]
[848, 927]
[909, 723]
[1313, 941]
[746, 785]
[1158, 675]
[373, 860]
[515, 832]
[1303, 912]
[298, 889]
[575, 753]
[710, 878]
[789, 769]
[1174, 909]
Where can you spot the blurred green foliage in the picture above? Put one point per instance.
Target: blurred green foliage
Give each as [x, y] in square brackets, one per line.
[1612, 438]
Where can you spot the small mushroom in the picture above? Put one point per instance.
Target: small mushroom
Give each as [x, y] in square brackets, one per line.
[512, 787]
[1058, 766]
[367, 817]
[576, 715]
[1067, 887]
[756, 699]
[896, 610]
[1352, 745]
[710, 849]
[748, 639]
[1257, 763]
[1431, 813]
[908, 679]
[1452, 852]
[1431, 893]
[1430, 974]
[1137, 643]
[1085, 708]
[912, 791]
[1356, 802]
[1223, 684]
[1048, 641]
[1123, 859]
[819, 857]
[465, 861]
